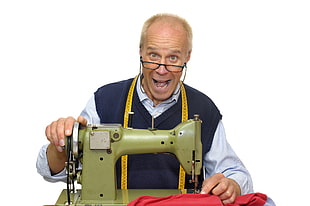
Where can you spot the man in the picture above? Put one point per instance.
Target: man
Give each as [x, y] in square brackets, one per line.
[157, 92]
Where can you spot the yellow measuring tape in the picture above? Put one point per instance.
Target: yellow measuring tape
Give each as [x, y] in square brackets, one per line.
[124, 158]
[184, 118]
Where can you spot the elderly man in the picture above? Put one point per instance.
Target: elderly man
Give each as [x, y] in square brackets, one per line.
[157, 94]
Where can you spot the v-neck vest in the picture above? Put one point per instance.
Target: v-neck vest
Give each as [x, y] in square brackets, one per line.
[155, 171]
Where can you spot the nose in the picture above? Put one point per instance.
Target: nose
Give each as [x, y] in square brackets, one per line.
[162, 69]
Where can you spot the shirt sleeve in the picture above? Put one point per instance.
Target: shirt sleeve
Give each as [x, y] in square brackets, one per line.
[90, 112]
[222, 159]
[44, 169]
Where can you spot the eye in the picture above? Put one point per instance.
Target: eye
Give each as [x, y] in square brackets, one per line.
[173, 59]
[153, 56]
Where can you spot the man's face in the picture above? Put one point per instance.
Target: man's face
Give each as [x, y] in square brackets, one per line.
[164, 44]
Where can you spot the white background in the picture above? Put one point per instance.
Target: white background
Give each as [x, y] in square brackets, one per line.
[250, 57]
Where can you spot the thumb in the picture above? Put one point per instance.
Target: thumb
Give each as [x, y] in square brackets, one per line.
[82, 120]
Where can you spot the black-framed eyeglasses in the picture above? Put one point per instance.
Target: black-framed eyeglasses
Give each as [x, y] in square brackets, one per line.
[169, 67]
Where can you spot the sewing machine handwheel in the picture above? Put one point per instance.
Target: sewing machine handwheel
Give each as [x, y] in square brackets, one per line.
[75, 140]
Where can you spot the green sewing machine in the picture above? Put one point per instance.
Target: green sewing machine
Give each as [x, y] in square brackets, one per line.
[98, 147]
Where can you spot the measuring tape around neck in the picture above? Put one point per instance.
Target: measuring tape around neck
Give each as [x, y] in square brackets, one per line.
[124, 158]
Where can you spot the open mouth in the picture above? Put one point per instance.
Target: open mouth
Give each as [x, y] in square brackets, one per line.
[161, 84]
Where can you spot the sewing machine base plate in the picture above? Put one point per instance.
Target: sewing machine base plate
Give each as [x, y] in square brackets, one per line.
[123, 196]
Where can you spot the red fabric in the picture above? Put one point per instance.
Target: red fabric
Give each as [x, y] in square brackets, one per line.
[175, 200]
[253, 199]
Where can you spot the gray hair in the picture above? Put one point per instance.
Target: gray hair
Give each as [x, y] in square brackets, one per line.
[167, 17]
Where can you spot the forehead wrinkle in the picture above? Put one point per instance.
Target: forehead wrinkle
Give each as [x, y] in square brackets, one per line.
[174, 51]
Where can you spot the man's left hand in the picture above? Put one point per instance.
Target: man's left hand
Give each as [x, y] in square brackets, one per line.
[227, 189]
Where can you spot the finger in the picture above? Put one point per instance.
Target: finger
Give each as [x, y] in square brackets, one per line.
[60, 130]
[48, 133]
[221, 188]
[229, 195]
[51, 133]
[231, 199]
[68, 126]
[82, 120]
[227, 190]
[210, 183]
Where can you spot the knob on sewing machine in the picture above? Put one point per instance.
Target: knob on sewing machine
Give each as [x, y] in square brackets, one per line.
[98, 147]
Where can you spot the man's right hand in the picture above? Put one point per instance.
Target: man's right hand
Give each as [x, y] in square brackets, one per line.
[59, 129]
[56, 133]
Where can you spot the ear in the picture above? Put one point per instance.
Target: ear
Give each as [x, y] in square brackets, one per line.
[188, 56]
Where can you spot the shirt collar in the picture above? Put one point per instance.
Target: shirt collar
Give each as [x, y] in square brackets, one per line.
[143, 97]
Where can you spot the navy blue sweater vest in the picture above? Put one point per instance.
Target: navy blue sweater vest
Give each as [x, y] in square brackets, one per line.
[155, 171]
